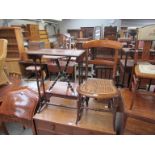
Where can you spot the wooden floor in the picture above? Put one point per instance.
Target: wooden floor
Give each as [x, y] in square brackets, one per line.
[94, 121]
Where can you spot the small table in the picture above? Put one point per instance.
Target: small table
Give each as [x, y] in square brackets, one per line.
[38, 54]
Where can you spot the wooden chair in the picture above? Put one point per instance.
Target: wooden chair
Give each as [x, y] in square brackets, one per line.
[102, 89]
[3, 52]
[138, 73]
[103, 54]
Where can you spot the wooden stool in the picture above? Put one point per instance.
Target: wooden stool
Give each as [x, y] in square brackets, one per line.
[19, 106]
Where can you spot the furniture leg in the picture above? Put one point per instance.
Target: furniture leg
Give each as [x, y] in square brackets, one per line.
[4, 128]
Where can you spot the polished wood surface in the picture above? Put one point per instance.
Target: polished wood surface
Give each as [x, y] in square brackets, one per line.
[18, 101]
[19, 106]
[57, 120]
[139, 127]
[61, 89]
[142, 110]
[103, 43]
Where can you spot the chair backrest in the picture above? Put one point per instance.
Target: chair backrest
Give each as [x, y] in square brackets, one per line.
[3, 52]
[103, 44]
[147, 35]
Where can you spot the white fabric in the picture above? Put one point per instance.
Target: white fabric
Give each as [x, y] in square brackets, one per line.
[148, 69]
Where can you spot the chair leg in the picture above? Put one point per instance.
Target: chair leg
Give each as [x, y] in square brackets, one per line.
[79, 108]
[4, 128]
[124, 121]
[87, 100]
[114, 107]
[129, 79]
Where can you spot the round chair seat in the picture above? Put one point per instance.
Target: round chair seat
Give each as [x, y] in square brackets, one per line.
[98, 88]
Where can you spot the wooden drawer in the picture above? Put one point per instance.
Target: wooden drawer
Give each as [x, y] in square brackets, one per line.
[50, 128]
[53, 127]
[44, 132]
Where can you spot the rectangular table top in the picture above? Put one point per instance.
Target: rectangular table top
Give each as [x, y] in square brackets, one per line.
[57, 52]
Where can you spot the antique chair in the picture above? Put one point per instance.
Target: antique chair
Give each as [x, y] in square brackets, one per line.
[100, 89]
[143, 68]
[3, 52]
[127, 63]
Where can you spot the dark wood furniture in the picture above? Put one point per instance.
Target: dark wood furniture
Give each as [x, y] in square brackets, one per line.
[103, 89]
[53, 68]
[137, 75]
[87, 32]
[19, 106]
[110, 32]
[141, 119]
[75, 33]
[59, 120]
[3, 128]
[38, 54]
[80, 41]
[132, 57]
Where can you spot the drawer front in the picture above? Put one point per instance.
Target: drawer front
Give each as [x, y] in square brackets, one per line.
[45, 132]
[50, 128]
[53, 127]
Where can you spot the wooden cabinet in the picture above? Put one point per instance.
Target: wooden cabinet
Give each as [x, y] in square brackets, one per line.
[15, 41]
[110, 32]
[44, 37]
[33, 30]
[75, 33]
[15, 50]
[88, 32]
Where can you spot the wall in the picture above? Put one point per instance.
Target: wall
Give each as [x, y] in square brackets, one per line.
[9, 22]
[137, 22]
[77, 23]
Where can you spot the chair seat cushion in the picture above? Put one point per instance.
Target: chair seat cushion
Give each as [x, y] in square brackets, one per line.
[98, 88]
[139, 74]
[19, 103]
